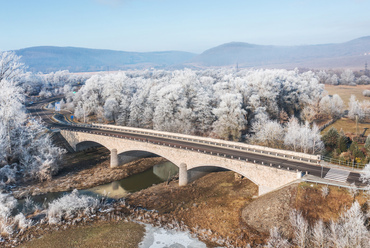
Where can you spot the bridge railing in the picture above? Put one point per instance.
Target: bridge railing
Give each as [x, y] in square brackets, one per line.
[303, 157]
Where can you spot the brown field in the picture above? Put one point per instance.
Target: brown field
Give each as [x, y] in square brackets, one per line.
[345, 91]
[348, 126]
[114, 234]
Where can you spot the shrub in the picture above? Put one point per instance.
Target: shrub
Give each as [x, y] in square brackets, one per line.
[325, 191]
[7, 204]
[366, 93]
[70, 204]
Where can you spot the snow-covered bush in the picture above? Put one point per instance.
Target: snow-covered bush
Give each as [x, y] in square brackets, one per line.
[366, 93]
[7, 174]
[69, 205]
[21, 223]
[365, 175]
[7, 204]
[276, 240]
[325, 191]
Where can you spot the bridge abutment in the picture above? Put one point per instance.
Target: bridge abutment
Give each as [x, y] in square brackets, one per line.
[113, 158]
[183, 174]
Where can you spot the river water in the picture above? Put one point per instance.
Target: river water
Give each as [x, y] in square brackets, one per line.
[118, 189]
[155, 237]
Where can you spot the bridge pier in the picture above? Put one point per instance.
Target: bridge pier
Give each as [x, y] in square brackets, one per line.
[183, 174]
[113, 158]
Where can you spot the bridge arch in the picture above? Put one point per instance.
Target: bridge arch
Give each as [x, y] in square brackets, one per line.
[203, 169]
[87, 144]
[128, 155]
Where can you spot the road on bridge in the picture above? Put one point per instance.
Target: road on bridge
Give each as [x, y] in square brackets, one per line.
[46, 115]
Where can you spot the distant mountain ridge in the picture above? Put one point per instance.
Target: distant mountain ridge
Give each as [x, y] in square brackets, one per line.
[74, 59]
[352, 54]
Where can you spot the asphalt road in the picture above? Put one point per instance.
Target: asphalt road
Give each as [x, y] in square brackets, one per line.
[36, 110]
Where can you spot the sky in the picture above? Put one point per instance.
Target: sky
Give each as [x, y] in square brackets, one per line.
[183, 25]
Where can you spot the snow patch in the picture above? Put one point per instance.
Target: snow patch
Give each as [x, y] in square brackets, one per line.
[157, 237]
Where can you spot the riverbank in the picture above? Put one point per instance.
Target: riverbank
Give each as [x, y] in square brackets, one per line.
[83, 170]
[210, 207]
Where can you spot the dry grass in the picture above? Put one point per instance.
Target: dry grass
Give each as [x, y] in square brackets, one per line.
[97, 235]
[213, 202]
[345, 91]
[314, 206]
[348, 126]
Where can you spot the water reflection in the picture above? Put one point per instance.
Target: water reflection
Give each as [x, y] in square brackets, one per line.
[118, 189]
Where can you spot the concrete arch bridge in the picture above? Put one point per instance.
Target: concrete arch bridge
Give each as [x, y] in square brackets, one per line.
[266, 176]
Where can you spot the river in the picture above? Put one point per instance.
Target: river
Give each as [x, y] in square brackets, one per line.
[155, 237]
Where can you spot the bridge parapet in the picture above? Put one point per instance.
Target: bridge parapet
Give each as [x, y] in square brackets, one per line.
[267, 151]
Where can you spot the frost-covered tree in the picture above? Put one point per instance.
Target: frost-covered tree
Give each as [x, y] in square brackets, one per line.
[195, 102]
[230, 117]
[349, 230]
[365, 175]
[11, 67]
[331, 106]
[269, 133]
[302, 138]
[355, 109]
[276, 240]
[23, 143]
[334, 80]
[202, 113]
[367, 145]
[300, 227]
[111, 109]
[347, 77]
[318, 232]
[363, 80]
[12, 116]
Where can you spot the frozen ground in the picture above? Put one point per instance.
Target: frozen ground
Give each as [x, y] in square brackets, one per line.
[156, 237]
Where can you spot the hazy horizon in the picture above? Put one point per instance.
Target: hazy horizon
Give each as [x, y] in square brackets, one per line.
[191, 26]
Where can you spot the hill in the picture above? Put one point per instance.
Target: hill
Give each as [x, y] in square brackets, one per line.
[49, 58]
[352, 54]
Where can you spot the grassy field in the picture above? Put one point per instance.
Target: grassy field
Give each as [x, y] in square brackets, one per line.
[348, 126]
[345, 91]
[121, 234]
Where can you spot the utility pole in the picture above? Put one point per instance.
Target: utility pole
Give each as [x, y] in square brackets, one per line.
[356, 125]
